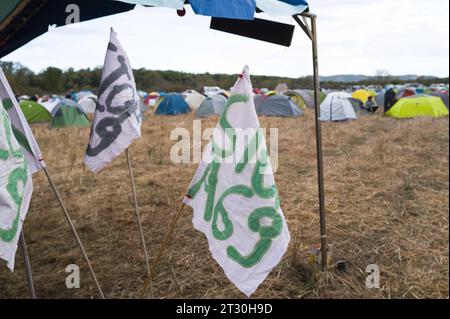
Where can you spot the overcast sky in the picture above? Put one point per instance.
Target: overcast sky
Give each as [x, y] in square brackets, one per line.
[355, 36]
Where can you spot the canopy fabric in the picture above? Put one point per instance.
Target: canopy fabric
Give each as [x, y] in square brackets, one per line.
[282, 7]
[25, 20]
[237, 9]
[173, 4]
[418, 106]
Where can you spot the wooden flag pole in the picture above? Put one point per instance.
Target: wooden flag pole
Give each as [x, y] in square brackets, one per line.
[136, 208]
[74, 231]
[26, 261]
[169, 233]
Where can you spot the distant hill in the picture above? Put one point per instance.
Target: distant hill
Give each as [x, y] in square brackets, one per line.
[348, 78]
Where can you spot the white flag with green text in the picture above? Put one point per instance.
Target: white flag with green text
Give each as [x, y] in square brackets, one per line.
[234, 196]
[20, 127]
[16, 187]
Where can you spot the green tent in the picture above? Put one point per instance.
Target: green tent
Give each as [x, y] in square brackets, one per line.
[68, 113]
[418, 106]
[34, 112]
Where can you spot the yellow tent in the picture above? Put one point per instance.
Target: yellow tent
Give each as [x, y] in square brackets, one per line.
[271, 93]
[297, 99]
[363, 95]
[418, 106]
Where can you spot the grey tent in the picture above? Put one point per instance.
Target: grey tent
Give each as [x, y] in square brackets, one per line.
[444, 97]
[358, 106]
[279, 105]
[211, 106]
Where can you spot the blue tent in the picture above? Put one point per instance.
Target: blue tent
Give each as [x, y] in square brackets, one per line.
[172, 104]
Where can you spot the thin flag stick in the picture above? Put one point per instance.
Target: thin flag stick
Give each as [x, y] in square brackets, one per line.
[136, 208]
[74, 231]
[169, 233]
[26, 261]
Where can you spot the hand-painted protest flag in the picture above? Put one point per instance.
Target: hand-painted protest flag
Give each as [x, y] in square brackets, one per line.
[20, 126]
[16, 187]
[117, 119]
[234, 196]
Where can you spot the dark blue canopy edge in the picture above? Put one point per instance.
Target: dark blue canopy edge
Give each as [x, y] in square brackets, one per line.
[31, 18]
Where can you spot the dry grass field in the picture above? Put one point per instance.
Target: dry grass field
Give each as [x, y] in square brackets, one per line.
[387, 196]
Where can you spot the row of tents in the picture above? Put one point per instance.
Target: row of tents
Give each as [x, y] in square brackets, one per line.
[335, 106]
[342, 106]
[63, 112]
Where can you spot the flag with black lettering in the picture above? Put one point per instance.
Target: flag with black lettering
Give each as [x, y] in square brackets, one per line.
[16, 187]
[234, 196]
[117, 120]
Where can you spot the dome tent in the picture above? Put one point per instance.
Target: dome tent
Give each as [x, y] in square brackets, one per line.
[88, 104]
[68, 113]
[337, 107]
[363, 95]
[278, 105]
[418, 106]
[194, 100]
[34, 112]
[214, 105]
[172, 104]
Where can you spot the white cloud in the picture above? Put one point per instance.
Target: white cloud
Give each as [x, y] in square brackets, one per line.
[355, 36]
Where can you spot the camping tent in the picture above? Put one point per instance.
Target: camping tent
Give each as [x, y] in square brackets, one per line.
[405, 93]
[51, 103]
[88, 103]
[363, 95]
[172, 104]
[34, 112]
[418, 106]
[337, 107]
[279, 105]
[215, 104]
[301, 98]
[151, 99]
[195, 99]
[358, 106]
[258, 99]
[444, 97]
[69, 113]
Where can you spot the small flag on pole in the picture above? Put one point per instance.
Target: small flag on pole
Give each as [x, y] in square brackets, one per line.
[20, 127]
[117, 119]
[234, 197]
[16, 187]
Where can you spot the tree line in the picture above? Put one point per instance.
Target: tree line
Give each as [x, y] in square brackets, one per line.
[56, 81]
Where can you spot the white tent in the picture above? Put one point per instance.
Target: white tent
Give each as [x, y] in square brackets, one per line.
[194, 100]
[51, 103]
[337, 107]
[88, 103]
